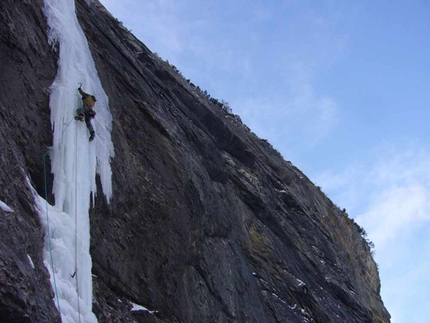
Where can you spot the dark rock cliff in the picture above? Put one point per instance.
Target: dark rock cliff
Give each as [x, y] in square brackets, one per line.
[207, 222]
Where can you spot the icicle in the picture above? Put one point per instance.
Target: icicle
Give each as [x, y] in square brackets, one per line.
[75, 160]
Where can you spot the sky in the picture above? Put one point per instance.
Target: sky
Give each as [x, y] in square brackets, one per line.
[340, 88]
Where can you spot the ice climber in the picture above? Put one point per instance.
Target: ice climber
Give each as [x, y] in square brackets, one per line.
[87, 111]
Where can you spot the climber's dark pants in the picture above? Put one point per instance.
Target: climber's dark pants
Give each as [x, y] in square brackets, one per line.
[84, 111]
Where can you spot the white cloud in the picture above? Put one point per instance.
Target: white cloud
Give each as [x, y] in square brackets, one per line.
[396, 211]
[271, 80]
[239, 45]
[312, 116]
[389, 195]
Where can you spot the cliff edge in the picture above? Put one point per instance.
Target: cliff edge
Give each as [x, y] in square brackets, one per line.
[207, 222]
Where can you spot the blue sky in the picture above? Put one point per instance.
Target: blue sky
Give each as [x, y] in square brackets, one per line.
[340, 88]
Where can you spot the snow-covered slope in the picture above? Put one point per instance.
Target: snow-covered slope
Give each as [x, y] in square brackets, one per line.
[75, 162]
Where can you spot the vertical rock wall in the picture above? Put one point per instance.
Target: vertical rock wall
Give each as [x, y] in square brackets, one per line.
[207, 222]
[27, 68]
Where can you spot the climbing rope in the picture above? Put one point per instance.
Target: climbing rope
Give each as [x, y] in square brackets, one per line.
[49, 233]
[67, 125]
[76, 222]
[75, 274]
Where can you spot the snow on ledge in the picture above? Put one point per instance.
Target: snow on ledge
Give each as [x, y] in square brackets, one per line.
[30, 261]
[137, 307]
[5, 207]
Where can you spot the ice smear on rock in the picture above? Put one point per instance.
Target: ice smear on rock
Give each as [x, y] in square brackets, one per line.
[5, 207]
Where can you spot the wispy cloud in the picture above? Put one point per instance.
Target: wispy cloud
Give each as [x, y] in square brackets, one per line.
[314, 115]
[390, 197]
[268, 61]
[259, 50]
[397, 211]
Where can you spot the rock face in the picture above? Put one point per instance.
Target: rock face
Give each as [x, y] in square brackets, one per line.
[208, 223]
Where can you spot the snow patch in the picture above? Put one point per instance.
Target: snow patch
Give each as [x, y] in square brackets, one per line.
[300, 283]
[278, 298]
[137, 307]
[5, 207]
[31, 261]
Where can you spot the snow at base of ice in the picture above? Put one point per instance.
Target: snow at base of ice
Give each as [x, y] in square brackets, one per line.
[5, 207]
[74, 163]
[62, 264]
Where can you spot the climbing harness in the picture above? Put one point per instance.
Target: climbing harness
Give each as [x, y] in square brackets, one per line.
[49, 232]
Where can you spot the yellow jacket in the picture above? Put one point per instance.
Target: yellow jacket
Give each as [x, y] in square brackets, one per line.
[88, 100]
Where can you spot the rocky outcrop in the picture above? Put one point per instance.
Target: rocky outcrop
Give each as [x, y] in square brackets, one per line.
[28, 66]
[208, 223]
